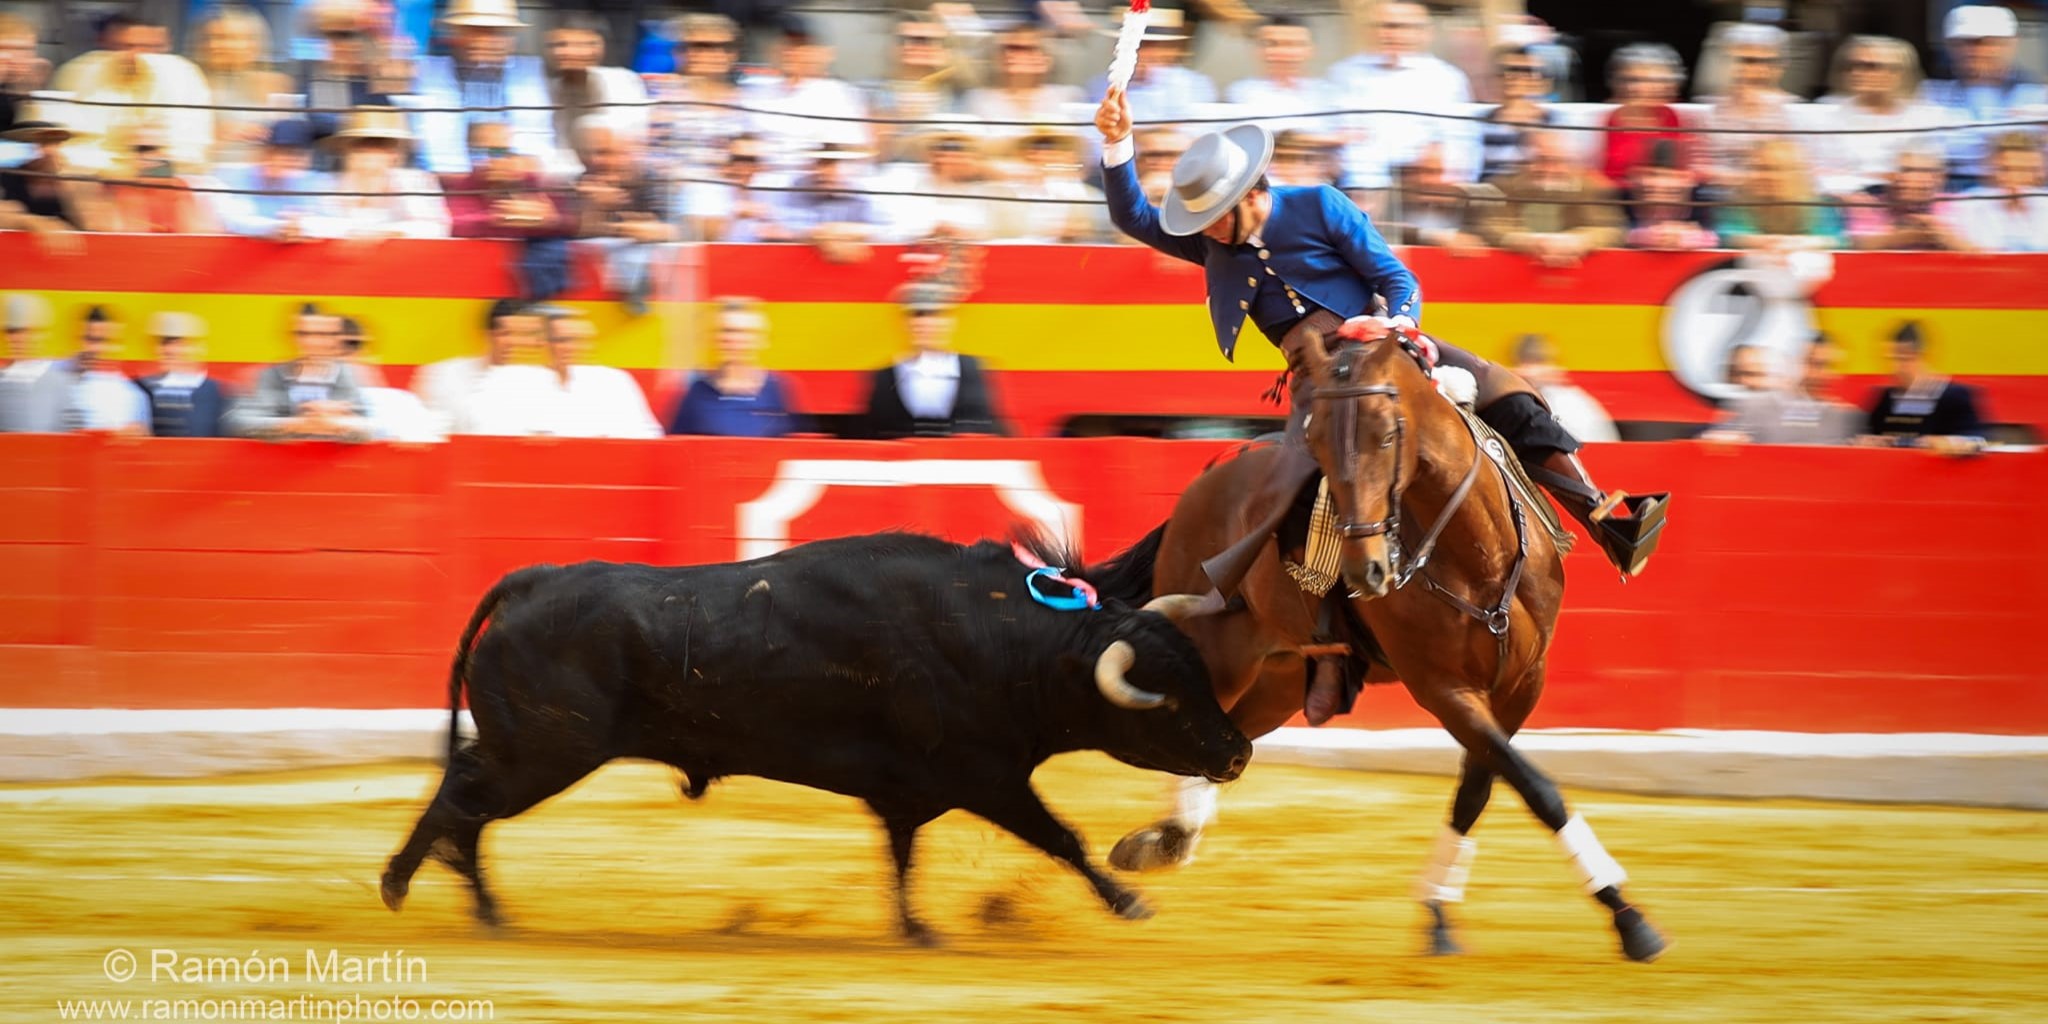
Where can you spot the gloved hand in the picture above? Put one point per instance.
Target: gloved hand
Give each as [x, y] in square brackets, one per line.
[1372, 328]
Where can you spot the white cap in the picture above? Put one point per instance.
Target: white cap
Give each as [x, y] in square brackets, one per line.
[177, 325]
[1981, 22]
[25, 312]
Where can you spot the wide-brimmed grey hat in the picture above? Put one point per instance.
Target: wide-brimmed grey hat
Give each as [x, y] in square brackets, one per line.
[1215, 172]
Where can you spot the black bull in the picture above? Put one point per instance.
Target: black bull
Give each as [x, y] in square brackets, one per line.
[914, 674]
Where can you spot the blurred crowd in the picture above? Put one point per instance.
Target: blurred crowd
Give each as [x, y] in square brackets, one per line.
[369, 136]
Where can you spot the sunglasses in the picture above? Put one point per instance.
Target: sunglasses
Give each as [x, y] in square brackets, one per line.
[491, 152]
[913, 39]
[922, 313]
[950, 147]
[1521, 71]
[742, 158]
[1022, 48]
[1159, 154]
[710, 44]
[145, 150]
[318, 334]
[1754, 61]
[1872, 65]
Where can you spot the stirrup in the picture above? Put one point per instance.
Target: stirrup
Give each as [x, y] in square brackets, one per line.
[1632, 538]
[1607, 505]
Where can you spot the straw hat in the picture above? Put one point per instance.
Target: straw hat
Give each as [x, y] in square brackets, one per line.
[1039, 133]
[954, 129]
[483, 14]
[371, 123]
[1167, 24]
[837, 151]
[38, 133]
[27, 312]
[1215, 172]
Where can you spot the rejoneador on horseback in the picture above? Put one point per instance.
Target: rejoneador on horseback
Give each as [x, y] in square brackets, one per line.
[1421, 513]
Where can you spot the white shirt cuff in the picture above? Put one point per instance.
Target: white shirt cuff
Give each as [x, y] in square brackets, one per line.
[1117, 154]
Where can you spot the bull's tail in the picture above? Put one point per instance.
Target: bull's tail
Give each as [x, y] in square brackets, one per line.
[513, 585]
[1127, 576]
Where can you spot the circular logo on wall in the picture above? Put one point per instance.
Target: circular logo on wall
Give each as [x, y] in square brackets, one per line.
[1750, 301]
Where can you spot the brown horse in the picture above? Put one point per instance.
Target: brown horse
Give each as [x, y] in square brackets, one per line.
[1460, 596]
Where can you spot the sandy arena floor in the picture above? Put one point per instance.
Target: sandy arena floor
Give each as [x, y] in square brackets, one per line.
[769, 903]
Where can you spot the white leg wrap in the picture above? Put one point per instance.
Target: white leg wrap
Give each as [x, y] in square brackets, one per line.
[1450, 864]
[1194, 803]
[1595, 864]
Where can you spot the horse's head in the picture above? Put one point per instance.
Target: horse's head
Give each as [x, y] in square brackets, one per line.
[1358, 429]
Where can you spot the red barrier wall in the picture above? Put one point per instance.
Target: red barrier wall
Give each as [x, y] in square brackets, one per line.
[1821, 590]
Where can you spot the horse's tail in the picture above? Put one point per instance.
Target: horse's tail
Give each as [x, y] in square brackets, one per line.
[1127, 575]
[513, 585]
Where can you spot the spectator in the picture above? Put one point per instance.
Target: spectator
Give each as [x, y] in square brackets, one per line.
[1664, 210]
[183, 400]
[686, 135]
[805, 86]
[1283, 88]
[1645, 77]
[1023, 87]
[1806, 413]
[738, 398]
[925, 77]
[146, 194]
[1905, 215]
[1921, 406]
[512, 333]
[1749, 371]
[588, 400]
[934, 392]
[1427, 208]
[271, 202]
[1555, 210]
[1778, 206]
[952, 178]
[233, 42]
[504, 197]
[1050, 166]
[33, 390]
[1755, 109]
[21, 71]
[731, 209]
[1523, 83]
[623, 209]
[313, 397]
[1401, 75]
[1157, 149]
[1162, 87]
[581, 88]
[1874, 82]
[124, 73]
[2011, 214]
[1304, 157]
[835, 219]
[483, 72]
[393, 414]
[1986, 88]
[382, 197]
[348, 76]
[1579, 411]
[100, 396]
[49, 203]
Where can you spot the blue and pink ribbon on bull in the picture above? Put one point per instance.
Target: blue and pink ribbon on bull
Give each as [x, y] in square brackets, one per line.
[1081, 597]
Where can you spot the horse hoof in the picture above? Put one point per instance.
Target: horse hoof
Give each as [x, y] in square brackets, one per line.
[1132, 907]
[1152, 848]
[1639, 940]
[393, 890]
[922, 935]
[1441, 943]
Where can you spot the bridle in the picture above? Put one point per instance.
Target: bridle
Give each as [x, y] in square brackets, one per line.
[1344, 397]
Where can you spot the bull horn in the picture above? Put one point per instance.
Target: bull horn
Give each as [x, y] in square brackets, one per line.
[1179, 607]
[1116, 660]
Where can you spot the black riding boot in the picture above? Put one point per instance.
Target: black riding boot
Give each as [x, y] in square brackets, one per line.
[1627, 527]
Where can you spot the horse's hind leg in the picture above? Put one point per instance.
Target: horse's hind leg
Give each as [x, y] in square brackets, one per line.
[1468, 718]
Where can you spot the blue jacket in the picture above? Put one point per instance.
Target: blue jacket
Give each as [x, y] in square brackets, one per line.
[1320, 241]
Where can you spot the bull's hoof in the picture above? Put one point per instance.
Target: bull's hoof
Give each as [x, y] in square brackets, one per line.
[488, 915]
[1131, 907]
[393, 889]
[922, 935]
[1164, 845]
[1639, 940]
[1441, 940]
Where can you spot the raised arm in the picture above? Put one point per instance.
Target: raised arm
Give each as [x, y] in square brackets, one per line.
[1129, 210]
